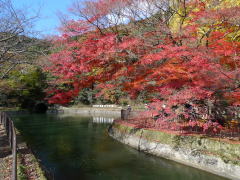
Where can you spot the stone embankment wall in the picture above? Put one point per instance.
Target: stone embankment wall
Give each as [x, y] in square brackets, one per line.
[221, 157]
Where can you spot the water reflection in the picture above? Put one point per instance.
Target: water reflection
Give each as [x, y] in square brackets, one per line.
[78, 147]
[103, 120]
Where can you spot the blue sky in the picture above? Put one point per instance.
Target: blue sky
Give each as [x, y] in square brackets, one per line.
[48, 21]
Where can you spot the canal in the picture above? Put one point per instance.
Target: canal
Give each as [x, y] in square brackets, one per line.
[77, 147]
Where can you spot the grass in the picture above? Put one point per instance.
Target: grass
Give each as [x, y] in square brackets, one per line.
[21, 169]
[10, 108]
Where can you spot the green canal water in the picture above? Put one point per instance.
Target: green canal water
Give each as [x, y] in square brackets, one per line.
[74, 147]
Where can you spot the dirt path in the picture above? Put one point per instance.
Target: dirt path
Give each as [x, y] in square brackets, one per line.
[5, 156]
[28, 167]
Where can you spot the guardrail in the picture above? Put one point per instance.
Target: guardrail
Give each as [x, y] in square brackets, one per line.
[8, 124]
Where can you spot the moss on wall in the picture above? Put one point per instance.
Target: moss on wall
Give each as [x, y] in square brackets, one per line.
[228, 151]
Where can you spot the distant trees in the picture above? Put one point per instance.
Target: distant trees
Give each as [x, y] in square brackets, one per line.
[21, 79]
[23, 89]
[16, 47]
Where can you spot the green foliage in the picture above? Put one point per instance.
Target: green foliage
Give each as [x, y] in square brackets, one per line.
[21, 172]
[23, 88]
[86, 96]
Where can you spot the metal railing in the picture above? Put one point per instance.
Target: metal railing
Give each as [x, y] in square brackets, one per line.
[8, 125]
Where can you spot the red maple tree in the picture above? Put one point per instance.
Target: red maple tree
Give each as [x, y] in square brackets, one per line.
[197, 65]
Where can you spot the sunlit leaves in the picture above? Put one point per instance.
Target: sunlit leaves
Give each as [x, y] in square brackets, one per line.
[197, 64]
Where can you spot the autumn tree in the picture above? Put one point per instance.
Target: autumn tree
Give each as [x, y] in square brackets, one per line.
[179, 52]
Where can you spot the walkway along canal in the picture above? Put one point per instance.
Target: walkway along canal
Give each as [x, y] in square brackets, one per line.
[78, 147]
[7, 133]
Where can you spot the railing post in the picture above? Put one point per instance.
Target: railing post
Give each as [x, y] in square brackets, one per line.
[4, 121]
[10, 134]
[124, 114]
[0, 117]
[14, 153]
[7, 127]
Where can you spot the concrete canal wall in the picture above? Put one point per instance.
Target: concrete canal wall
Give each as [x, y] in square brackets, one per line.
[215, 156]
[94, 111]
